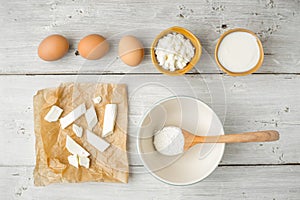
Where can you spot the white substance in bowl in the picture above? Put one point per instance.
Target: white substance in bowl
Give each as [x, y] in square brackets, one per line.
[174, 51]
[169, 141]
[239, 52]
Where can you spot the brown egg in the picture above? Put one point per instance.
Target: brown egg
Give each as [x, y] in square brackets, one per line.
[53, 47]
[131, 50]
[93, 47]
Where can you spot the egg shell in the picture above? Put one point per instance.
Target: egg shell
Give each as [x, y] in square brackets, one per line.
[53, 47]
[93, 47]
[131, 50]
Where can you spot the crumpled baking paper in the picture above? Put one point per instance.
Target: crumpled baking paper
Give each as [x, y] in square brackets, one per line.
[51, 154]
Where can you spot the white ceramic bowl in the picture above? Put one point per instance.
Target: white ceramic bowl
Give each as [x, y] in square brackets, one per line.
[190, 114]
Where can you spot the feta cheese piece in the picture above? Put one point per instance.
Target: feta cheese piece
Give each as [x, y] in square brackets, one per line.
[72, 116]
[97, 100]
[96, 141]
[73, 160]
[84, 161]
[77, 130]
[91, 117]
[53, 114]
[75, 148]
[110, 116]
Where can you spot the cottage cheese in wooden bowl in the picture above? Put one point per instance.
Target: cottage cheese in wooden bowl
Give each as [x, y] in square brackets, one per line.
[175, 51]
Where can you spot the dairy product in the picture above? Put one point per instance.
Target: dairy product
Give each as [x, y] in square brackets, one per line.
[96, 141]
[84, 161]
[75, 148]
[73, 160]
[53, 114]
[97, 100]
[72, 116]
[239, 52]
[109, 121]
[91, 117]
[174, 51]
[77, 130]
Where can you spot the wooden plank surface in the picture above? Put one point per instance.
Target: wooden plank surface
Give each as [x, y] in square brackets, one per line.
[268, 99]
[251, 103]
[264, 182]
[24, 24]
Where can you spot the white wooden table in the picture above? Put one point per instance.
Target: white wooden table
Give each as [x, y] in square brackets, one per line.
[268, 99]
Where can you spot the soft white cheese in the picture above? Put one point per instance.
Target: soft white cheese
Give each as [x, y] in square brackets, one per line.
[239, 52]
[174, 51]
[91, 117]
[96, 141]
[77, 130]
[75, 148]
[73, 160]
[97, 100]
[72, 116]
[84, 161]
[110, 116]
[53, 114]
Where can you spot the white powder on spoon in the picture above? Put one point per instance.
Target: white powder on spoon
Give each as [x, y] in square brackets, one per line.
[169, 141]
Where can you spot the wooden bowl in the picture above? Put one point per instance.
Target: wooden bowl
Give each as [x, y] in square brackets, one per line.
[255, 68]
[187, 34]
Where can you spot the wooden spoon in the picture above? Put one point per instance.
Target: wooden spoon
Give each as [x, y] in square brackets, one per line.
[259, 136]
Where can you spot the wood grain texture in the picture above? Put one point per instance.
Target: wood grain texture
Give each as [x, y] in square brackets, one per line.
[190, 139]
[252, 103]
[271, 182]
[256, 102]
[25, 23]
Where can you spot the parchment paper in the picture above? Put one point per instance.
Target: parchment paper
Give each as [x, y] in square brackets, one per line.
[51, 154]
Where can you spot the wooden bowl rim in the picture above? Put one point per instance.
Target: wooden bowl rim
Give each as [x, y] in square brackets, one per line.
[187, 34]
[255, 68]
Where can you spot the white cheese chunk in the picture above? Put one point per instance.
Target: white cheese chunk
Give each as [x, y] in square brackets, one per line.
[91, 117]
[97, 99]
[75, 148]
[96, 141]
[77, 130]
[72, 116]
[84, 161]
[73, 160]
[53, 114]
[174, 51]
[110, 116]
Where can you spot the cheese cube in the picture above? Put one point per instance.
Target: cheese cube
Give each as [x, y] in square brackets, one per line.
[77, 130]
[84, 161]
[53, 114]
[96, 141]
[97, 100]
[110, 116]
[75, 148]
[91, 117]
[73, 160]
[72, 116]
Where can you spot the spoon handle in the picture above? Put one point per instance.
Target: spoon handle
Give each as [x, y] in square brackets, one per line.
[259, 136]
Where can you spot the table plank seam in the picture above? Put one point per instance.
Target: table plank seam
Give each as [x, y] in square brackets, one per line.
[220, 165]
[132, 74]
